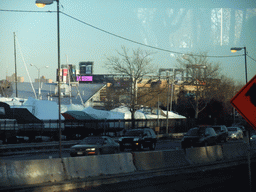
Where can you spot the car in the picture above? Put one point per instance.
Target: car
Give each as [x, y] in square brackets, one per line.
[95, 145]
[235, 133]
[253, 137]
[138, 139]
[199, 137]
[241, 127]
[222, 132]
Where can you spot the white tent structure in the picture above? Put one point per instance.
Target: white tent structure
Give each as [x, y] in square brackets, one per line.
[127, 113]
[102, 114]
[140, 114]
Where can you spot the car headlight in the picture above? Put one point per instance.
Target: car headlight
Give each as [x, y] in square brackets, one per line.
[90, 149]
[136, 139]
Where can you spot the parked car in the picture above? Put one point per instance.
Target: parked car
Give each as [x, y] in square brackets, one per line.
[138, 139]
[235, 133]
[222, 132]
[199, 137]
[95, 145]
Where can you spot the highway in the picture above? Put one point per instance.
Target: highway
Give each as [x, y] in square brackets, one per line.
[34, 154]
[48, 154]
[233, 178]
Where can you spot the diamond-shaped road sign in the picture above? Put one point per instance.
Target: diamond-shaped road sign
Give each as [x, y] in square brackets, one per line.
[245, 102]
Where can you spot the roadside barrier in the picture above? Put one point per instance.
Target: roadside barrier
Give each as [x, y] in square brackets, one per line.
[82, 167]
[234, 150]
[159, 159]
[207, 154]
[16, 173]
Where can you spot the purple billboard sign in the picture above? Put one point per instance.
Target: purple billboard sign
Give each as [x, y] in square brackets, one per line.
[84, 78]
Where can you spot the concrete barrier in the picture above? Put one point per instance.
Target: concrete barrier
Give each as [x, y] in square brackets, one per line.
[15, 173]
[207, 154]
[234, 150]
[214, 153]
[88, 166]
[159, 159]
[197, 155]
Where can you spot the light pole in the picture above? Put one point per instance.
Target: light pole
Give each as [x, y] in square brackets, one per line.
[233, 50]
[39, 80]
[42, 3]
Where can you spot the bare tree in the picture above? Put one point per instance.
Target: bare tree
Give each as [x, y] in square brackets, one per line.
[204, 76]
[135, 66]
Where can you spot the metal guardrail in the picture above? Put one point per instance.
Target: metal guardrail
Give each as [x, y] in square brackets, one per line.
[14, 148]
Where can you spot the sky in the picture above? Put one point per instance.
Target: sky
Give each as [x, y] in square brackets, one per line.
[90, 31]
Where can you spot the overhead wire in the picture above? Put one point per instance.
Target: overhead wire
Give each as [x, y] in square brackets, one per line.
[251, 57]
[153, 47]
[124, 38]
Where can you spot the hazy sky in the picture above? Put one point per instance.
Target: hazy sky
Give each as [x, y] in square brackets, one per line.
[176, 27]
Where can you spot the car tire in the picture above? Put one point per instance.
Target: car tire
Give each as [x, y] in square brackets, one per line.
[153, 146]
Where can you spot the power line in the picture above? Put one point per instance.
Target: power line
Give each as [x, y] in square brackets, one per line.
[26, 11]
[251, 57]
[160, 49]
[124, 38]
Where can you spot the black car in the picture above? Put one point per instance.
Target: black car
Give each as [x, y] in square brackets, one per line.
[138, 139]
[95, 145]
[222, 132]
[199, 137]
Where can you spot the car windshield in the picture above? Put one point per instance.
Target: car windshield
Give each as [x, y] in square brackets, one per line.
[232, 129]
[134, 133]
[193, 132]
[92, 140]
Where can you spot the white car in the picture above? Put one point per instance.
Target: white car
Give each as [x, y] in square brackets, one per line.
[235, 133]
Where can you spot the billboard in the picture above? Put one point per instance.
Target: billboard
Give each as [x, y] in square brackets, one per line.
[84, 78]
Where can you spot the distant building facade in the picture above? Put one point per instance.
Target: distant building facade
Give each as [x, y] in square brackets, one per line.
[43, 80]
[12, 78]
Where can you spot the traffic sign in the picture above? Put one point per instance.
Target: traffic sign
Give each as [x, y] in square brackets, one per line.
[245, 102]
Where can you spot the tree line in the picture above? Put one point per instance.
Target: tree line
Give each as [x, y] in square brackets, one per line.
[203, 93]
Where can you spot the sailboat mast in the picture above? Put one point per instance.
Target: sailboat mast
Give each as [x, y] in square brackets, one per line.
[15, 65]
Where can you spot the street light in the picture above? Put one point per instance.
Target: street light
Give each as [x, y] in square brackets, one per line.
[233, 50]
[39, 80]
[41, 4]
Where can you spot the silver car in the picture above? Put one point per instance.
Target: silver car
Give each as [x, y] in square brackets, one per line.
[95, 145]
[235, 133]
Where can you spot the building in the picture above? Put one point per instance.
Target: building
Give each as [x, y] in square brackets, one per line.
[12, 78]
[43, 80]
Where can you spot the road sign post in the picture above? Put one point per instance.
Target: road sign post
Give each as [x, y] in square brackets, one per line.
[245, 103]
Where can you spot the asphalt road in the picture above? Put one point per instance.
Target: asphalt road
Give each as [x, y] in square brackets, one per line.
[161, 145]
[33, 155]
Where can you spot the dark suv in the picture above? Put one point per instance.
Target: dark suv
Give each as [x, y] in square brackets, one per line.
[222, 132]
[199, 137]
[138, 139]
